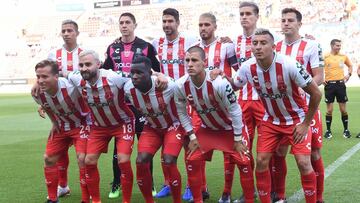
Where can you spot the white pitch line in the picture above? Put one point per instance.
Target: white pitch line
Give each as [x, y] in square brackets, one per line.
[299, 195]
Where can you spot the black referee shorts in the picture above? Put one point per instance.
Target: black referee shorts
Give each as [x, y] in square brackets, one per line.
[336, 89]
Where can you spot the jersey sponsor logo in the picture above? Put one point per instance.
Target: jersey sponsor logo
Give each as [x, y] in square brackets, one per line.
[302, 71]
[155, 114]
[314, 130]
[174, 126]
[230, 94]
[121, 65]
[245, 170]
[206, 111]
[190, 97]
[272, 96]
[172, 61]
[308, 146]
[178, 136]
[117, 50]
[255, 79]
[65, 114]
[99, 105]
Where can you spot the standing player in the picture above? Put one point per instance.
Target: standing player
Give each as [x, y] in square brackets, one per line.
[69, 115]
[103, 90]
[120, 55]
[171, 52]
[162, 130]
[251, 106]
[215, 101]
[277, 79]
[309, 54]
[335, 86]
[67, 58]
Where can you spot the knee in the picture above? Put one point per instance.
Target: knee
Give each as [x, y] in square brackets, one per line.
[143, 158]
[81, 160]
[304, 166]
[262, 163]
[122, 158]
[169, 159]
[90, 160]
[315, 154]
[49, 160]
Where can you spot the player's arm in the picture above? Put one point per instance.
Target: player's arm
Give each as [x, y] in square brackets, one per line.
[317, 64]
[304, 80]
[231, 56]
[350, 69]
[108, 63]
[152, 56]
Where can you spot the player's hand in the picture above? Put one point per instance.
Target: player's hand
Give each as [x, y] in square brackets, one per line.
[161, 81]
[216, 72]
[346, 78]
[41, 112]
[300, 132]
[54, 129]
[35, 90]
[308, 36]
[193, 146]
[225, 40]
[240, 147]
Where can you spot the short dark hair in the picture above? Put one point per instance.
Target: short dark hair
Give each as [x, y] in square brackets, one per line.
[130, 15]
[333, 41]
[250, 4]
[209, 15]
[142, 62]
[71, 22]
[292, 10]
[172, 12]
[198, 50]
[54, 66]
[262, 31]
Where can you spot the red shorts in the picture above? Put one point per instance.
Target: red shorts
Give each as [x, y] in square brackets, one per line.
[61, 141]
[195, 118]
[100, 137]
[272, 135]
[222, 140]
[170, 139]
[253, 112]
[316, 131]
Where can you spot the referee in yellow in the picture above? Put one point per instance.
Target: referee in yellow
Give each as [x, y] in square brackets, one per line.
[335, 80]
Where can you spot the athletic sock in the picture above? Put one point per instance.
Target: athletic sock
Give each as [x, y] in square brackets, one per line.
[127, 177]
[93, 181]
[263, 182]
[116, 169]
[165, 172]
[345, 121]
[328, 119]
[203, 176]
[174, 181]
[143, 178]
[194, 172]
[309, 186]
[279, 175]
[62, 165]
[51, 180]
[85, 196]
[318, 166]
[247, 182]
[228, 173]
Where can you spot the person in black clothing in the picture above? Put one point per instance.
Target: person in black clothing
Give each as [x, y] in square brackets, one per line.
[119, 57]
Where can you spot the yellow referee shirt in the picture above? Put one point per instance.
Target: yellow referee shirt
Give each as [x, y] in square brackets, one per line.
[334, 66]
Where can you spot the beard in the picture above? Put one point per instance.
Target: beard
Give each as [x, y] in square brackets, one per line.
[88, 75]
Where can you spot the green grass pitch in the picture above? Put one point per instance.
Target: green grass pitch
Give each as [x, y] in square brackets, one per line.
[23, 136]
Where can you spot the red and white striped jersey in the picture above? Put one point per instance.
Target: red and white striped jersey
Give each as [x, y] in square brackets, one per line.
[66, 107]
[243, 53]
[157, 106]
[105, 98]
[305, 51]
[220, 55]
[278, 88]
[67, 61]
[172, 54]
[215, 102]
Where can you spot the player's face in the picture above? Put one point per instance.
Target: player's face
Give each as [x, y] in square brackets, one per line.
[127, 26]
[69, 33]
[262, 46]
[88, 67]
[139, 77]
[248, 18]
[336, 47]
[206, 28]
[289, 24]
[194, 64]
[169, 24]
[46, 79]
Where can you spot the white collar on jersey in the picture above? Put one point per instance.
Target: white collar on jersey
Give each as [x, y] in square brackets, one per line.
[294, 42]
[177, 38]
[213, 42]
[272, 63]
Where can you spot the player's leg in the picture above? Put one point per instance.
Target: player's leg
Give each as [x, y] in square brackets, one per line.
[329, 100]
[63, 165]
[165, 190]
[342, 98]
[279, 170]
[229, 168]
[115, 184]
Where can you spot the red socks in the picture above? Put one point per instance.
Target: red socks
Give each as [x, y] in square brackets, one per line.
[174, 181]
[247, 182]
[143, 177]
[62, 166]
[203, 175]
[318, 166]
[309, 186]
[92, 181]
[279, 175]
[263, 183]
[228, 173]
[51, 180]
[85, 196]
[165, 172]
[194, 172]
[127, 177]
